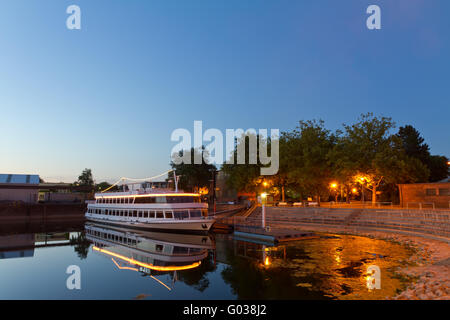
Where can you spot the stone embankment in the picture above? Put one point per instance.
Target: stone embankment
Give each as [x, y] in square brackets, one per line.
[428, 232]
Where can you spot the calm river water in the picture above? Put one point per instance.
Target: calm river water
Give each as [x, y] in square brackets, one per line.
[127, 264]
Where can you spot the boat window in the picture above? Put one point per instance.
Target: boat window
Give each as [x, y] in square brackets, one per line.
[140, 214]
[152, 214]
[169, 215]
[181, 214]
[180, 250]
[196, 213]
[159, 248]
[159, 214]
[145, 200]
[205, 212]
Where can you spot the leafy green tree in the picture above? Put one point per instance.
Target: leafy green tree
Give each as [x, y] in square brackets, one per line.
[105, 185]
[413, 143]
[304, 157]
[369, 150]
[415, 147]
[193, 176]
[86, 179]
[439, 168]
[244, 172]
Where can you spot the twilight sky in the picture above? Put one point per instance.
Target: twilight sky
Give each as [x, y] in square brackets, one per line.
[108, 96]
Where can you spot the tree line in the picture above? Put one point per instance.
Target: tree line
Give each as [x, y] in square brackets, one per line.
[368, 154]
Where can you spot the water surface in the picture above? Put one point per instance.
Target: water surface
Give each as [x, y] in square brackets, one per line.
[128, 264]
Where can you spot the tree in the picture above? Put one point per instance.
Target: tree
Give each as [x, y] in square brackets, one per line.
[81, 244]
[413, 143]
[304, 157]
[439, 168]
[105, 185]
[414, 147]
[193, 176]
[376, 156]
[245, 176]
[86, 179]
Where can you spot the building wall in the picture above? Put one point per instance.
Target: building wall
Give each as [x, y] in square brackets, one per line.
[62, 197]
[24, 195]
[425, 193]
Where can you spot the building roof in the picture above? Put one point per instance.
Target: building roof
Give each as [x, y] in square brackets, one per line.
[445, 180]
[19, 179]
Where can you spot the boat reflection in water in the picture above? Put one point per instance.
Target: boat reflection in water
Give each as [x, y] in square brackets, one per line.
[150, 253]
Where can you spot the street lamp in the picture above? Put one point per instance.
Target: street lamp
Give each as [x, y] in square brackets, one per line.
[362, 180]
[334, 186]
[263, 202]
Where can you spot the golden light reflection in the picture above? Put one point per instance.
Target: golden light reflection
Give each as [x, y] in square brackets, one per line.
[146, 265]
[267, 261]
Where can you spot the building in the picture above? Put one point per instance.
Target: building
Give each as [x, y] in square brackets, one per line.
[19, 187]
[63, 193]
[425, 195]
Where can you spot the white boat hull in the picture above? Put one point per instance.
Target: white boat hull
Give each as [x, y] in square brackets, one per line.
[188, 225]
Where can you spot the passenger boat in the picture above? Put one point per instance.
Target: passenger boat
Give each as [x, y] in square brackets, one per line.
[151, 209]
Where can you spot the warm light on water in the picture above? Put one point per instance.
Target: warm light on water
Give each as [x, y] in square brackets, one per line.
[329, 267]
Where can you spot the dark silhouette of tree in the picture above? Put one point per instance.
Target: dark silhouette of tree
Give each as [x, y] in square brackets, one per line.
[81, 245]
[415, 147]
[194, 176]
[86, 179]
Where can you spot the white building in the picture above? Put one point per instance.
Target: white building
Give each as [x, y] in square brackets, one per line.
[19, 187]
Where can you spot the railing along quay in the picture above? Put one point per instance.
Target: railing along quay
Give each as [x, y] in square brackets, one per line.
[435, 222]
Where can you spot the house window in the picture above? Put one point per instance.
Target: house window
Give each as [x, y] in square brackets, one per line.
[430, 192]
[444, 192]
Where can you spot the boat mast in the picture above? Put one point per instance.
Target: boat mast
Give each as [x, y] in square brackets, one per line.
[175, 179]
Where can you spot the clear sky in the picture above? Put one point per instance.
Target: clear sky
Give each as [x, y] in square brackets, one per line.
[108, 96]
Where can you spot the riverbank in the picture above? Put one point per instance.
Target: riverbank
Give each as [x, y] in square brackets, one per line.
[41, 212]
[428, 268]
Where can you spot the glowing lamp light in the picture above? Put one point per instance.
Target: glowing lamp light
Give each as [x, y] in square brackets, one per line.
[333, 185]
[265, 184]
[267, 261]
[263, 195]
[354, 190]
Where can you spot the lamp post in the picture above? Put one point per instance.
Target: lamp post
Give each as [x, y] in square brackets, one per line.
[263, 202]
[333, 186]
[362, 181]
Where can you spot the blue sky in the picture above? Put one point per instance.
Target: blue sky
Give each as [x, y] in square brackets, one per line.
[108, 96]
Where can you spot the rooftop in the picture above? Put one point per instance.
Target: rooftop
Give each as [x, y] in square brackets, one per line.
[19, 178]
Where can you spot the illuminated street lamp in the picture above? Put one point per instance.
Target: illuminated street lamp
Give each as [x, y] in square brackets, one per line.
[334, 186]
[263, 202]
[362, 180]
